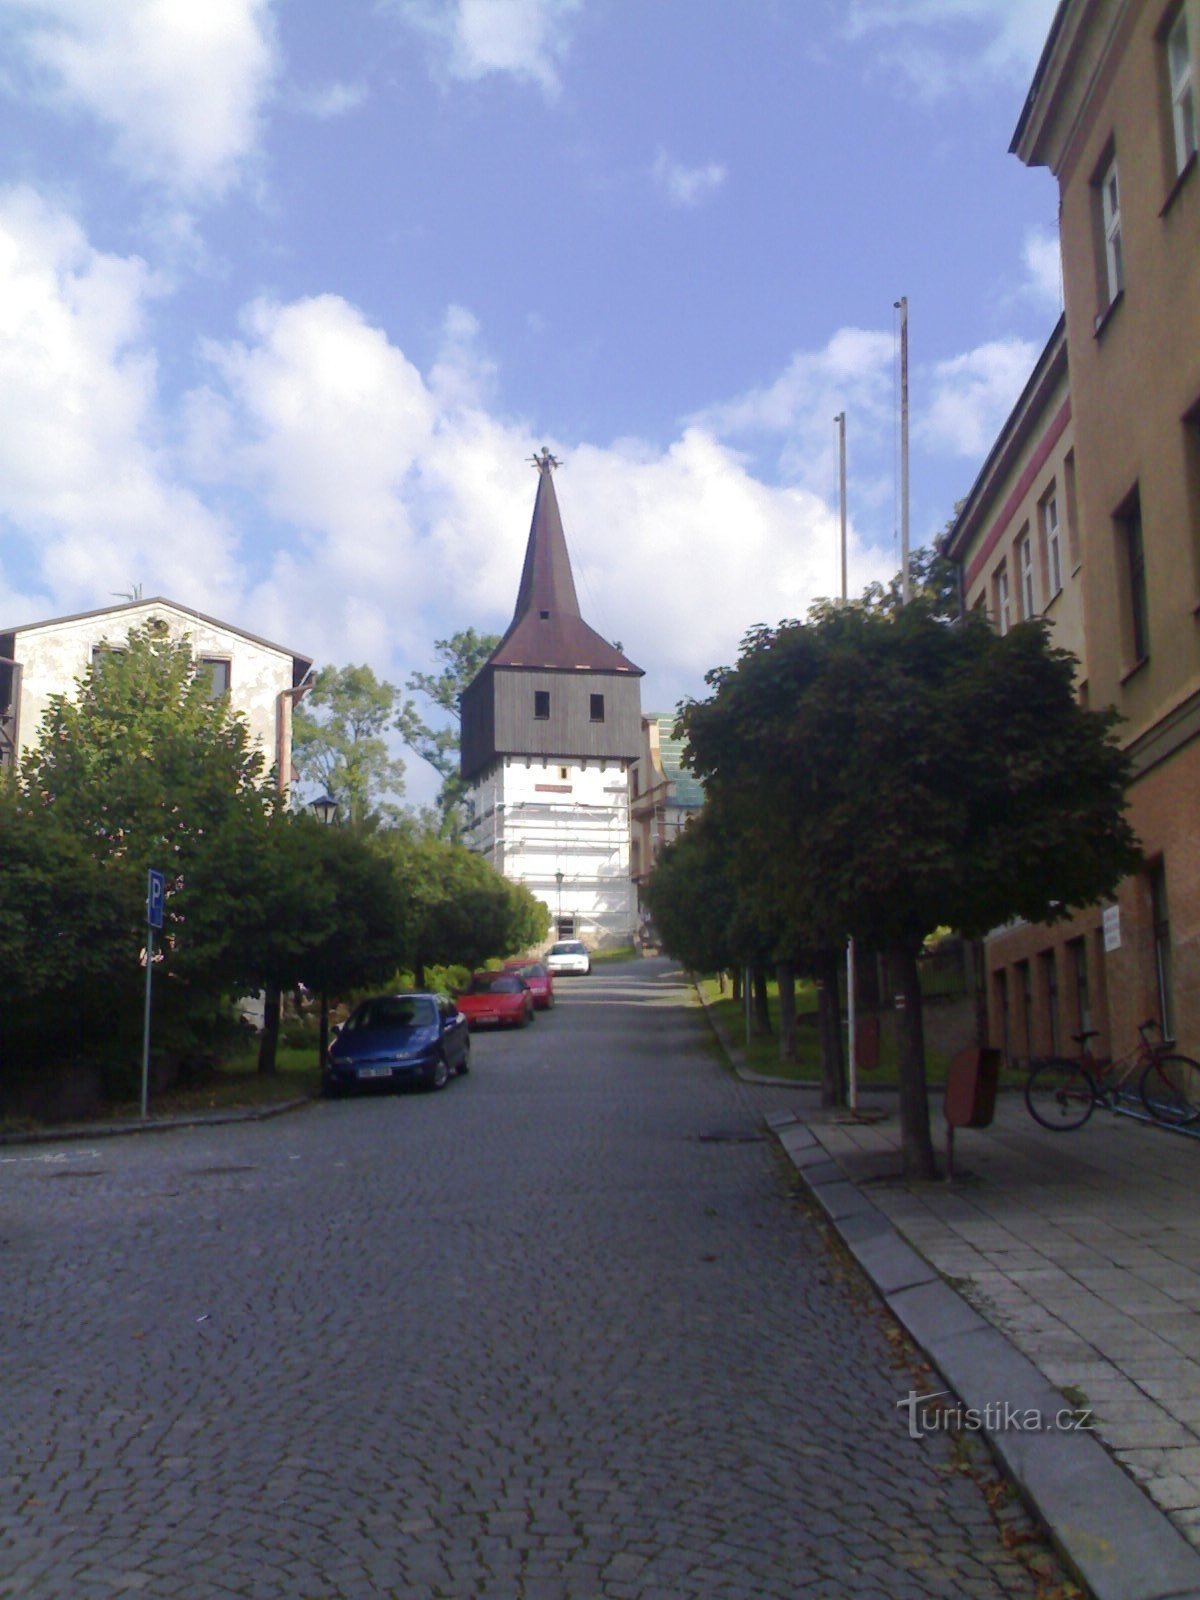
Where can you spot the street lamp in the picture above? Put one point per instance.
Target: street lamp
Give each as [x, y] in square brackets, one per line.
[324, 808]
[558, 925]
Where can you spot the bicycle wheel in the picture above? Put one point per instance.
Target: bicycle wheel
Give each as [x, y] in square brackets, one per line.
[1060, 1094]
[1170, 1089]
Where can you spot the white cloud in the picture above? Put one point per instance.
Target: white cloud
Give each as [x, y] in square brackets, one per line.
[413, 499]
[973, 395]
[527, 39]
[793, 417]
[686, 186]
[84, 474]
[332, 100]
[181, 85]
[1042, 258]
[963, 40]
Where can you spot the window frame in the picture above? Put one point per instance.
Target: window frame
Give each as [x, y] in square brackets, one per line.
[1026, 590]
[594, 700]
[1108, 186]
[1051, 527]
[541, 705]
[1003, 597]
[1181, 91]
[1131, 534]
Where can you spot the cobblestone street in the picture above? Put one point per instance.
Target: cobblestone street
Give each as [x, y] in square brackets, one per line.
[563, 1330]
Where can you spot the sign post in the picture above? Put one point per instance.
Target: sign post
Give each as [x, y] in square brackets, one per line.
[155, 892]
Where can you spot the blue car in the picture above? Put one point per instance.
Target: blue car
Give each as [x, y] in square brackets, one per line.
[395, 1039]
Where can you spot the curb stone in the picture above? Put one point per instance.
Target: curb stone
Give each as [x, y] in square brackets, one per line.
[70, 1131]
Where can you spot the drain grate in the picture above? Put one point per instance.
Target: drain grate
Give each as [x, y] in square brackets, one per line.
[732, 1136]
[216, 1172]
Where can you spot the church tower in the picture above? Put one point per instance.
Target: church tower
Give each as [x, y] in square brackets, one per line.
[550, 725]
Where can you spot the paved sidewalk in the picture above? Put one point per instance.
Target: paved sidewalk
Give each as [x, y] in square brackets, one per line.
[1057, 1272]
[1084, 1249]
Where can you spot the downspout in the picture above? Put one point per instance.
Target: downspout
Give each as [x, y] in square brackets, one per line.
[286, 702]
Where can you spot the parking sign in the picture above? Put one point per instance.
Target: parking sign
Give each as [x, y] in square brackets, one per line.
[155, 891]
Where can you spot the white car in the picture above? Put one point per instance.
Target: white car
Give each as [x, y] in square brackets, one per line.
[569, 955]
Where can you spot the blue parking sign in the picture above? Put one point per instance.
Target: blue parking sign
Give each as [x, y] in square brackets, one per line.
[155, 892]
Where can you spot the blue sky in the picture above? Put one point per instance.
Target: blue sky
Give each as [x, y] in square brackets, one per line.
[290, 290]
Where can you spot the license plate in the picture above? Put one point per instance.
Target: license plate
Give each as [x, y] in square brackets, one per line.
[374, 1072]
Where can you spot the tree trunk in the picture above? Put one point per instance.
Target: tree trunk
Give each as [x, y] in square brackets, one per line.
[737, 985]
[915, 1140]
[785, 974]
[268, 1041]
[762, 1011]
[829, 1021]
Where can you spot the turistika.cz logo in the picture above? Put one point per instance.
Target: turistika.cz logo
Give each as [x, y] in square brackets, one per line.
[926, 1415]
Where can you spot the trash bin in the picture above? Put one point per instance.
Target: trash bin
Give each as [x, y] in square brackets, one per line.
[970, 1100]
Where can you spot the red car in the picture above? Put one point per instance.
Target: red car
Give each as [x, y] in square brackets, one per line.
[499, 997]
[537, 977]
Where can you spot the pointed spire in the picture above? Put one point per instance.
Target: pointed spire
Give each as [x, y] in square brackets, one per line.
[547, 629]
[547, 583]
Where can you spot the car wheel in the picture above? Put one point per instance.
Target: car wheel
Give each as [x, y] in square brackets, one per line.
[439, 1074]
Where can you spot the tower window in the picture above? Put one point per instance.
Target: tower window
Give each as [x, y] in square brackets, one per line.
[541, 704]
[545, 616]
[597, 708]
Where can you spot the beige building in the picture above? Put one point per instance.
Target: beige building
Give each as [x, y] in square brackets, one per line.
[41, 659]
[1112, 113]
[662, 795]
[1017, 542]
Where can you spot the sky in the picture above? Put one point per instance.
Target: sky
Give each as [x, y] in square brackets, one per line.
[291, 290]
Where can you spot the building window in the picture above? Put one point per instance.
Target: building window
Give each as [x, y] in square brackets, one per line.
[1052, 543]
[597, 708]
[1077, 949]
[1110, 224]
[1183, 99]
[1003, 601]
[541, 705]
[1132, 555]
[1049, 967]
[1025, 1001]
[633, 783]
[216, 669]
[1072, 509]
[1162, 947]
[1025, 570]
[1191, 451]
[1000, 999]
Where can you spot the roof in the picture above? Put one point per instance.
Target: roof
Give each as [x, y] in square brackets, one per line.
[301, 663]
[547, 630]
[686, 788]
[1026, 420]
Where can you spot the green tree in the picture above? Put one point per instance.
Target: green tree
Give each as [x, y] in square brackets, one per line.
[339, 741]
[462, 655]
[906, 775]
[462, 911]
[142, 767]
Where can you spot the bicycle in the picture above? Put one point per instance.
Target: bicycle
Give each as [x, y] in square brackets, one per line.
[1061, 1093]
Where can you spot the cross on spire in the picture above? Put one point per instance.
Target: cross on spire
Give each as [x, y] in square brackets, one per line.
[544, 461]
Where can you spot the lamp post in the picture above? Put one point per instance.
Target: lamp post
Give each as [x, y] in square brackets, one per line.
[558, 877]
[324, 808]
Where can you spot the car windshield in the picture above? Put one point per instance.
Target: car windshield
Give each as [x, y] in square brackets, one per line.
[529, 969]
[393, 1011]
[494, 983]
[570, 947]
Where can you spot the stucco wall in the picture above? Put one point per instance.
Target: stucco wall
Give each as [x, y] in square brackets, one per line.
[54, 655]
[535, 818]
